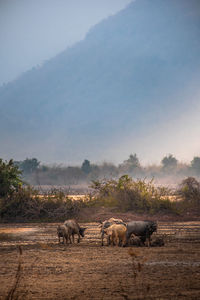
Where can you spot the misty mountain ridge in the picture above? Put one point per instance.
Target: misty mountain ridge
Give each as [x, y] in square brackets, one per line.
[131, 72]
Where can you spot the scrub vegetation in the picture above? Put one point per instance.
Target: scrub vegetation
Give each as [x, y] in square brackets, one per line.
[20, 202]
[129, 195]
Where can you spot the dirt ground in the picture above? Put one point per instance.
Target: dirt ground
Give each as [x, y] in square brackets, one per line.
[48, 270]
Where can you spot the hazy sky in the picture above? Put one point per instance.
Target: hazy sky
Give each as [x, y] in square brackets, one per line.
[178, 136]
[32, 31]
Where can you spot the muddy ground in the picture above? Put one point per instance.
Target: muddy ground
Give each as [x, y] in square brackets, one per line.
[48, 270]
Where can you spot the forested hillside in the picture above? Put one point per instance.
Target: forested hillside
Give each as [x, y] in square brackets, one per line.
[132, 71]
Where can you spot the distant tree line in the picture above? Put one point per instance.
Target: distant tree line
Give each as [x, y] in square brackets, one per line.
[21, 202]
[36, 173]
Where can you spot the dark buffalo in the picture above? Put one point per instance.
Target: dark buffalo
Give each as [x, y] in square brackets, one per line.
[143, 229]
[75, 229]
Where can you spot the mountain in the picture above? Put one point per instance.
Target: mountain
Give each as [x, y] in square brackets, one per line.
[133, 71]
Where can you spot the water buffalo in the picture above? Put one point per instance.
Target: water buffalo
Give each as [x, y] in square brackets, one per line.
[158, 242]
[75, 229]
[64, 232]
[143, 229]
[135, 241]
[107, 223]
[117, 234]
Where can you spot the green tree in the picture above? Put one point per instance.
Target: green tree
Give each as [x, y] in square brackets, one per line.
[10, 178]
[86, 166]
[131, 164]
[190, 190]
[29, 165]
[133, 160]
[169, 162]
[195, 164]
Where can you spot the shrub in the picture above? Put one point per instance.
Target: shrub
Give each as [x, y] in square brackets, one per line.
[127, 194]
[26, 205]
[189, 190]
[10, 178]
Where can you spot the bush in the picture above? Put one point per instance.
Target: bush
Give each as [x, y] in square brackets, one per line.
[18, 203]
[25, 205]
[10, 178]
[189, 190]
[127, 194]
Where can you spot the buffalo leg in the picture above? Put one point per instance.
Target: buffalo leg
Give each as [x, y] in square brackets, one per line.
[73, 238]
[102, 236]
[78, 241]
[108, 240]
[70, 239]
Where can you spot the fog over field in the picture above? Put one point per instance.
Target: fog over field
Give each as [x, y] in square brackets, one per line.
[99, 80]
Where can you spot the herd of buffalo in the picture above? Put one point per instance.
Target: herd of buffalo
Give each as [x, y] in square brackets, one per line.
[117, 232]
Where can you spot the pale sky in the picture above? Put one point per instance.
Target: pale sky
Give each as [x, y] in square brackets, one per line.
[32, 31]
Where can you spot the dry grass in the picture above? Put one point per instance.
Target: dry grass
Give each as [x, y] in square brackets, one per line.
[9, 237]
[12, 295]
[138, 264]
[90, 271]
